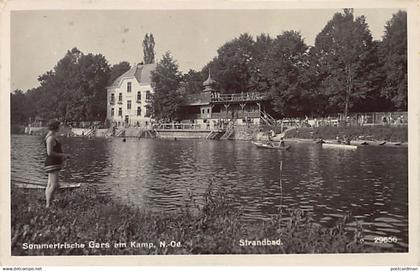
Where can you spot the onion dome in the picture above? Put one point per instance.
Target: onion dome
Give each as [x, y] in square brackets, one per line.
[208, 83]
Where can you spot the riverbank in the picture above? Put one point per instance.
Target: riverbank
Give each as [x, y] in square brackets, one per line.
[355, 133]
[84, 216]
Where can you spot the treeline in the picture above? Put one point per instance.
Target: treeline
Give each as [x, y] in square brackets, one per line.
[74, 90]
[345, 70]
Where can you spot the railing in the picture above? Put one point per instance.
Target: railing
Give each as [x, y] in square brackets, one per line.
[112, 102]
[120, 102]
[178, 126]
[224, 115]
[239, 97]
[238, 114]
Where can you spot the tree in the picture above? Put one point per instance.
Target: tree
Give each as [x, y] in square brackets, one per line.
[192, 82]
[394, 53]
[75, 89]
[117, 70]
[283, 71]
[166, 79]
[259, 80]
[233, 66]
[344, 49]
[18, 107]
[148, 49]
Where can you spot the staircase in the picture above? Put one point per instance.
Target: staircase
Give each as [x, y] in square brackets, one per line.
[120, 132]
[230, 130]
[213, 135]
[269, 120]
[91, 132]
[146, 134]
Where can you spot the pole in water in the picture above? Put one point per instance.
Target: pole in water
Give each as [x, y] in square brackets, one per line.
[281, 186]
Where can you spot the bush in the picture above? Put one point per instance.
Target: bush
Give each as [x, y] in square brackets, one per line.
[213, 227]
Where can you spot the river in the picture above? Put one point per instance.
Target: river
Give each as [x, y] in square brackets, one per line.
[159, 175]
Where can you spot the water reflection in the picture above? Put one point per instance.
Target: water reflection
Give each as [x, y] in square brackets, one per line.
[370, 183]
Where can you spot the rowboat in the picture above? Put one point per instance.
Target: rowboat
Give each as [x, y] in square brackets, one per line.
[270, 145]
[42, 186]
[339, 146]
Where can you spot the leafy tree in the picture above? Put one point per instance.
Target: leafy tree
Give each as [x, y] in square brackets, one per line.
[18, 107]
[75, 89]
[394, 55]
[166, 80]
[344, 49]
[233, 66]
[192, 82]
[117, 70]
[259, 80]
[283, 70]
[148, 49]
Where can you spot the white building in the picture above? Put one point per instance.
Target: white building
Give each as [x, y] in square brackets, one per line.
[128, 96]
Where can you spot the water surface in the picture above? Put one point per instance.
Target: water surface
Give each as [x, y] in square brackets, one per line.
[159, 175]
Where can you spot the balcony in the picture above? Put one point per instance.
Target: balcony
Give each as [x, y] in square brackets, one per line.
[138, 101]
[112, 102]
[239, 97]
[120, 102]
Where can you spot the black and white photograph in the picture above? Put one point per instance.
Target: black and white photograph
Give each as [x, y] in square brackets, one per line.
[209, 131]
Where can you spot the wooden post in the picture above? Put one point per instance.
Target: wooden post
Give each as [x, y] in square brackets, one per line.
[242, 107]
[281, 185]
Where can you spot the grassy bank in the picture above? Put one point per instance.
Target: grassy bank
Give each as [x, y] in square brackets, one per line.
[83, 215]
[376, 133]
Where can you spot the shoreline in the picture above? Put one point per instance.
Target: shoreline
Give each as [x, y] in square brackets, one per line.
[389, 136]
[83, 216]
[371, 143]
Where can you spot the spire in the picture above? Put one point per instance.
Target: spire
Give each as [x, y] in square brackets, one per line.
[208, 84]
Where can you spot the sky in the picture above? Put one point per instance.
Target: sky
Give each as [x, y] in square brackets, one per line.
[39, 39]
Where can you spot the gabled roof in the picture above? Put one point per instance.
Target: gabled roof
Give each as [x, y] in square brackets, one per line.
[142, 73]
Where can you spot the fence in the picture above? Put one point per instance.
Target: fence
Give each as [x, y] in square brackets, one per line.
[352, 119]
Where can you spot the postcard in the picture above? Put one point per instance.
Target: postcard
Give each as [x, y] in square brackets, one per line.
[210, 133]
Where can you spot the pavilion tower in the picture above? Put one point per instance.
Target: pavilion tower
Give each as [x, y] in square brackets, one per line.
[209, 84]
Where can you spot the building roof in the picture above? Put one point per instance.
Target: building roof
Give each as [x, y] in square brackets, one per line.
[209, 81]
[197, 99]
[142, 73]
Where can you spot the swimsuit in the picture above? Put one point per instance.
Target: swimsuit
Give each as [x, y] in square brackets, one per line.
[53, 163]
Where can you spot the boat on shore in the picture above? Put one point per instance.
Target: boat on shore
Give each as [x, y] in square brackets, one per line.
[339, 146]
[270, 145]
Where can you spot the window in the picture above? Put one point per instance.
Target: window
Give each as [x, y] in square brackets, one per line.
[120, 111]
[147, 113]
[112, 97]
[138, 111]
[148, 95]
[128, 86]
[208, 111]
[120, 97]
[112, 112]
[138, 96]
[128, 104]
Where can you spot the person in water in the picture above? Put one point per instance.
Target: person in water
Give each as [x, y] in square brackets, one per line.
[282, 142]
[54, 160]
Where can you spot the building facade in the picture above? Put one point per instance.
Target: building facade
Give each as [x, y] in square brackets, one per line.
[128, 97]
[210, 109]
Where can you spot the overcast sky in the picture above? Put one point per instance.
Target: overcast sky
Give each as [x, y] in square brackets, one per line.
[40, 38]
